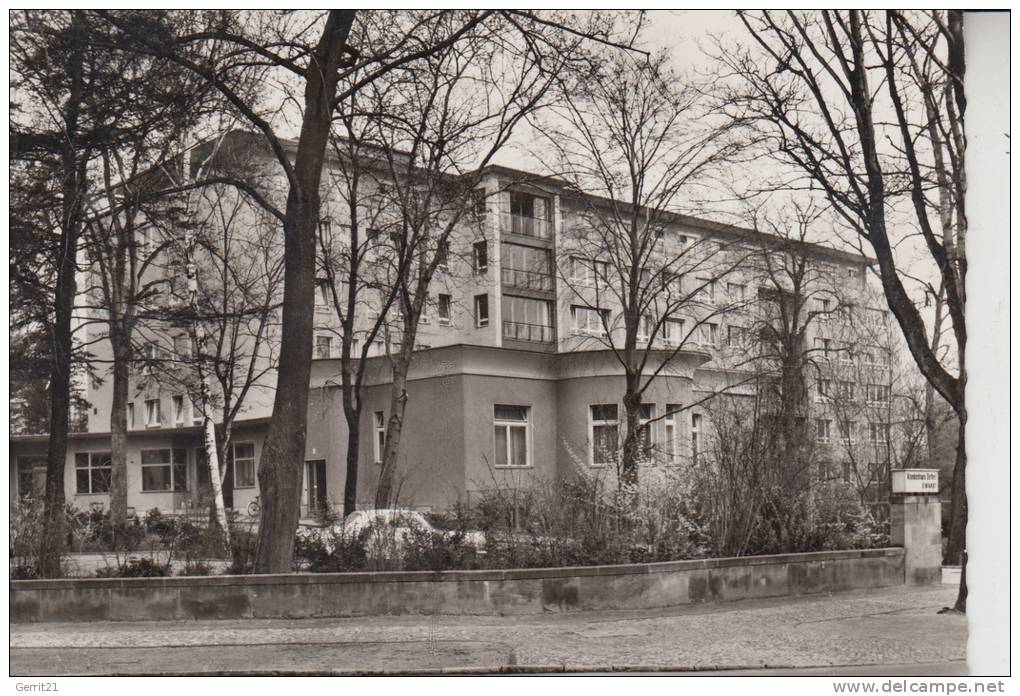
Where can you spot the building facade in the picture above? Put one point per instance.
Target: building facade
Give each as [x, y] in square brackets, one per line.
[516, 380]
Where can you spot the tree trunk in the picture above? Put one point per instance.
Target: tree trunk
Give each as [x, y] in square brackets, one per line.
[280, 466]
[398, 402]
[119, 425]
[956, 549]
[353, 415]
[212, 457]
[72, 178]
[632, 453]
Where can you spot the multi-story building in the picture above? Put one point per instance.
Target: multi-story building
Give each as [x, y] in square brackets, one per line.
[515, 381]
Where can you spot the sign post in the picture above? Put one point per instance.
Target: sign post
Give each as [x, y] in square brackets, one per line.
[915, 523]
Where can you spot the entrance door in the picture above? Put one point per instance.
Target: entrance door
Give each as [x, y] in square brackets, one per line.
[315, 474]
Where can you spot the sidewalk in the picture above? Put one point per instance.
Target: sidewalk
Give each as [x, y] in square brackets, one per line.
[897, 626]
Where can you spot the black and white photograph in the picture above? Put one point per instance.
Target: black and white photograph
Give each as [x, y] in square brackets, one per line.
[464, 343]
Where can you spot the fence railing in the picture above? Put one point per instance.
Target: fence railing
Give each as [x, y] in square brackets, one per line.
[535, 333]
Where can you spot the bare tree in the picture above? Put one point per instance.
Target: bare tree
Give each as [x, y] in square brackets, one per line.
[868, 108]
[218, 327]
[352, 274]
[440, 122]
[628, 138]
[74, 98]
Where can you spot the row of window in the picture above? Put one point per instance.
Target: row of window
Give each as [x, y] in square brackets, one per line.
[162, 469]
[512, 440]
[153, 412]
[847, 390]
[878, 433]
[846, 352]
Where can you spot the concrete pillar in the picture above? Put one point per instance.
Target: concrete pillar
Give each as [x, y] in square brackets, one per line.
[915, 523]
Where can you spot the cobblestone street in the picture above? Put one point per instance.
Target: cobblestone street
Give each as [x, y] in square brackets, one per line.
[898, 626]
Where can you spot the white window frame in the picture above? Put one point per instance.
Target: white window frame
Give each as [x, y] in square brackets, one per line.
[508, 424]
[329, 346]
[644, 329]
[167, 463]
[150, 411]
[234, 459]
[444, 321]
[823, 430]
[98, 454]
[600, 315]
[667, 333]
[322, 297]
[378, 435]
[481, 244]
[177, 405]
[670, 431]
[592, 424]
[480, 321]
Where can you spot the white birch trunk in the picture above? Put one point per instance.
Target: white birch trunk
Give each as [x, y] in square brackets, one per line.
[213, 460]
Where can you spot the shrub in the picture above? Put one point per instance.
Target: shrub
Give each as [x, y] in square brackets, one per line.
[136, 568]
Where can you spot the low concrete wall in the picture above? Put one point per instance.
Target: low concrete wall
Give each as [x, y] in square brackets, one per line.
[477, 592]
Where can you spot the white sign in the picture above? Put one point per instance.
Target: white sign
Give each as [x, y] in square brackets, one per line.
[915, 481]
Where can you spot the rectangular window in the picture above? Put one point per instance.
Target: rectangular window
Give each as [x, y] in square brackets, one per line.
[478, 201]
[673, 284]
[196, 413]
[131, 414]
[823, 346]
[481, 256]
[92, 472]
[736, 291]
[152, 413]
[878, 433]
[708, 334]
[322, 295]
[590, 320]
[379, 439]
[822, 429]
[323, 347]
[178, 403]
[445, 306]
[243, 460]
[878, 393]
[670, 431]
[848, 432]
[481, 310]
[31, 475]
[164, 470]
[673, 330]
[645, 325]
[510, 435]
[823, 389]
[589, 271]
[605, 428]
[527, 319]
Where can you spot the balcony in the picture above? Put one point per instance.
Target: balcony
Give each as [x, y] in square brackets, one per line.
[526, 280]
[532, 333]
[525, 226]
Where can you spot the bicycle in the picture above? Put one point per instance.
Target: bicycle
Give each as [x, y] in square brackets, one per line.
[254, 508]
